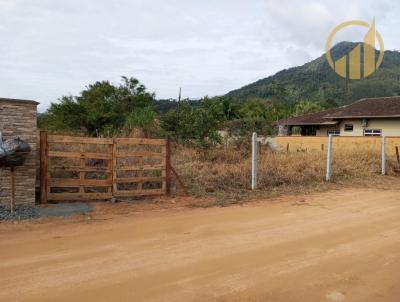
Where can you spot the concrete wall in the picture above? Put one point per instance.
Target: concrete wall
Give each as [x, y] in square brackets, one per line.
[357, 128]
[390, 127]
[342, 144]
[18, 118]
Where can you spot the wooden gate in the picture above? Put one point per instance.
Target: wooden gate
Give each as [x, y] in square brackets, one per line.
[85, 168]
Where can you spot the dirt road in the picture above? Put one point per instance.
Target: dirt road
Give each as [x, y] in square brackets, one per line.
[335, 246]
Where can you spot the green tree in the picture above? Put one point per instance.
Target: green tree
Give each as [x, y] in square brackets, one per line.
[305, 107]
[66, 115]
[197, 125]
[143, 119]
[102, 108]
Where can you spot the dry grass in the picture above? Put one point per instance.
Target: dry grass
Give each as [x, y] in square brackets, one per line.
[222, 176]
[226, 173]
[340, 143]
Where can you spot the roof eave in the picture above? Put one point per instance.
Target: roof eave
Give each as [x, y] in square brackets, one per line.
[365, 116]
[311, 124]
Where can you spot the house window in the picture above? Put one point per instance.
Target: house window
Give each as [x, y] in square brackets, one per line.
[372, 132]
[348, 127]
[334, 132]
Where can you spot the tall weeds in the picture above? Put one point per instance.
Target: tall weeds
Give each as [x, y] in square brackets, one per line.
[229, 170]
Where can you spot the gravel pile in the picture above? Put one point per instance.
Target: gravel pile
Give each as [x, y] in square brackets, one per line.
[21, 212]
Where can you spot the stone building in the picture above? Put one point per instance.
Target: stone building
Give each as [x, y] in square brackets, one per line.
[18, 119]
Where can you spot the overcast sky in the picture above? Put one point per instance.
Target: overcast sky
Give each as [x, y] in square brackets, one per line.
[51, 48]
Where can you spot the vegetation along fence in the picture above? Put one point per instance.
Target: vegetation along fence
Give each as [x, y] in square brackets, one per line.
[341, 143]
[351, 155]
[85, 168]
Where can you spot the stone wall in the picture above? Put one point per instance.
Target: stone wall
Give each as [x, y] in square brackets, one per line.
[18, 119]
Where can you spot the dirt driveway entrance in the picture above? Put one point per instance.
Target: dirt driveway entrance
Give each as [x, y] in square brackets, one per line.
[335, 246]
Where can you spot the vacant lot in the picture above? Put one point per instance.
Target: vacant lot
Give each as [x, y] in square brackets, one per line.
[336, 246]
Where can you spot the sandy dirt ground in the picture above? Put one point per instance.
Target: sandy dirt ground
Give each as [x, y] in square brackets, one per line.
[342, 245]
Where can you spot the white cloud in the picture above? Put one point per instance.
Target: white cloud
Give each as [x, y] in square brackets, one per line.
[52, 48]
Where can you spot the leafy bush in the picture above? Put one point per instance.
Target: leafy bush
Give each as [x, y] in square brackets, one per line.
[101, 109]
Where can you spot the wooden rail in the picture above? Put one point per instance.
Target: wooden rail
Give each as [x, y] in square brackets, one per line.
[125, 167]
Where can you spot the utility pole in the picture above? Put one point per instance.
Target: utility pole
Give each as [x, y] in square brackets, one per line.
[179, 102]
[178, 111]
[179, 98]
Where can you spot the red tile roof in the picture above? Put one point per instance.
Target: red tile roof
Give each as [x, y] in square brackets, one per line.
[373, 107]
[384, 107]
[318, 118]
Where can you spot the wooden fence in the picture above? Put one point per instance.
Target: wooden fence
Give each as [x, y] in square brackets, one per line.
[84, 168]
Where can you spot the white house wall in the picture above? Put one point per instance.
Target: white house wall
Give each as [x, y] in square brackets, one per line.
[390, 127]
[357, 128]
[323, 130]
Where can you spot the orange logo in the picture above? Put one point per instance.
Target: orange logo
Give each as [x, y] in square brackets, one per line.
[350, 65]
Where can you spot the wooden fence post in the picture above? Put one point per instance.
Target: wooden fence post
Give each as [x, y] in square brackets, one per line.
[43, 166]
[114, 170]
[329, 159]
[114, 186]
[180, 182]
[168, 166]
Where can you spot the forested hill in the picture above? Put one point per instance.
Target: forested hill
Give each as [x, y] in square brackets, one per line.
[316, 81]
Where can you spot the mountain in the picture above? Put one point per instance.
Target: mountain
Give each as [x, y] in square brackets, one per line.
[316, 81]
